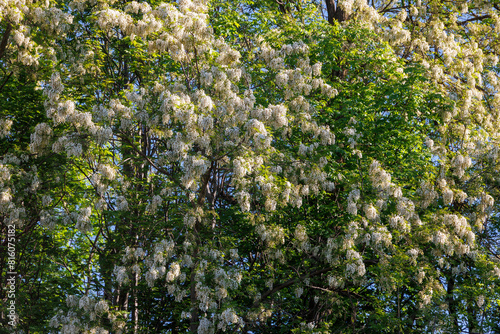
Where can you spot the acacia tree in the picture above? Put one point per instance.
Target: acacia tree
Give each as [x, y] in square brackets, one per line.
[264, 167]
[27, 184]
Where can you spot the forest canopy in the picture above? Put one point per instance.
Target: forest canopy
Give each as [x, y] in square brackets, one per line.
[253, 166]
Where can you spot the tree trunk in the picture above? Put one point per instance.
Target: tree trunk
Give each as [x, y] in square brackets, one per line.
[335, 13]
[135, 308]
[195, 318]
[451, 302]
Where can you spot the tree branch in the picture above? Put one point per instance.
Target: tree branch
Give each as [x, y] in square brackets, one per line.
[288, 283]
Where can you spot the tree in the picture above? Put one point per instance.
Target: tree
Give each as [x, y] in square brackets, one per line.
[43, 261]
[259, 166]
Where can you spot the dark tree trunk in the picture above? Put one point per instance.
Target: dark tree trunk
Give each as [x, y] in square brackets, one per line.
[451, 302]
[335, 13]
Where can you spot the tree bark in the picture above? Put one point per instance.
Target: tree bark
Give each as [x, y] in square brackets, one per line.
[451, 302]
[335, 13]
[135, 309]
[5, 38]
[195, 317]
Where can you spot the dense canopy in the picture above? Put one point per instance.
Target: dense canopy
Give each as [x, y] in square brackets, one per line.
[253, 166]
